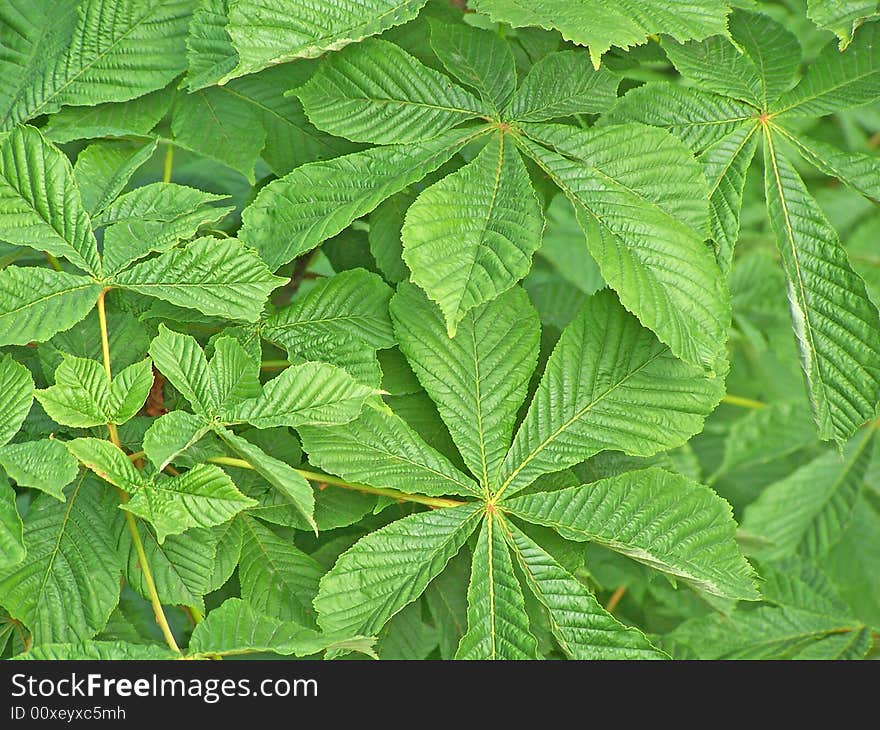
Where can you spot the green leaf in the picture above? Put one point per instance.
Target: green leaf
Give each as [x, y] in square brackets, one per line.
[664, 520]
[478, 379]
[498, 627]
[182, 566]
[756, 65]
[235, 628]
[209, 51]
[700, 119]
[99, 651]
[471, 236]
[68, 584]
[221, 126]
[154, 218]
[171, 435]
[276, 578]
[859, 171]
[603, 24]
[181, 359]
[16, 396]
[839, 345]
[12, 547]
[726, 164]
[376, 92]
[604, 368]
[83, 396]
[36, 304]
[560, 85]
[582, 627]
[659, 265]
[343, 320]
[280, 475]
[842, 17]
[103, 169]
[294, 214]
[477, 58]
[204, 496]
[45, 465]
[108, 461]
[219, 277]
[835, 80]
[313, 393]
[39, 201]
[118, 50]
[266, 32]
[390, 568]
[380, 449]
[808, 511]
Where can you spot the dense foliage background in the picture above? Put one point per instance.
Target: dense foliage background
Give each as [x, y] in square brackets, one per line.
[439, 329]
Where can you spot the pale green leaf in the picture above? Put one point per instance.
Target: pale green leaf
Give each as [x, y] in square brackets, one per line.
[45, 465]
[836, 324]
[560, 85]
[235, 628]
[659, 265]
[312, 393]
[376, 92]
[382, 450]
[12, 548]
[601, 24]
[98, 651]
[108, 461]
[582, 627]
[209, 52]
[604, 369]
[471, 236]
[842, 17]
[838, 80]
[498, 627]
[662, 519]
[477, 379]
[808, 511]
[40, 205]
[181, 359]
[294, 214]
[219, 277]
[68, 584]
[268, 32]
[16, 396]
[390, 568]
[103, 169]
[477, 58]
[276, 578]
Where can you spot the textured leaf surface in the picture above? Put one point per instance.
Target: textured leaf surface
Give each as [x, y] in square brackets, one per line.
[603, 24]
[660, 267]
[45, 465]
[498, 626]
[562, 84]
[235, 628]
[842, 17]
[16, 396]
[12, 547]
[266, 32]
[68, 584]
[276, 578]
[605, 365]
[40, 205]
[471, 236]
[808, 511]
[477, 379]
[390, 568]
[661, 519]
[382, 450]
[582, 627]
[103, 169]
[99, 651]
[376, 92]
[836, 324]
[318, 200]
[218, 277]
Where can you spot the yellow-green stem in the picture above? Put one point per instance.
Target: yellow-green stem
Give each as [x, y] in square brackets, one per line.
[314, 476]
[158, 611]
[274, 364]
[53, 261]
[736, 400]
[197, 616]
[169, 164]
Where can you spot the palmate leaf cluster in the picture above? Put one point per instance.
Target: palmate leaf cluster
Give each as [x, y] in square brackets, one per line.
[381, 328]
